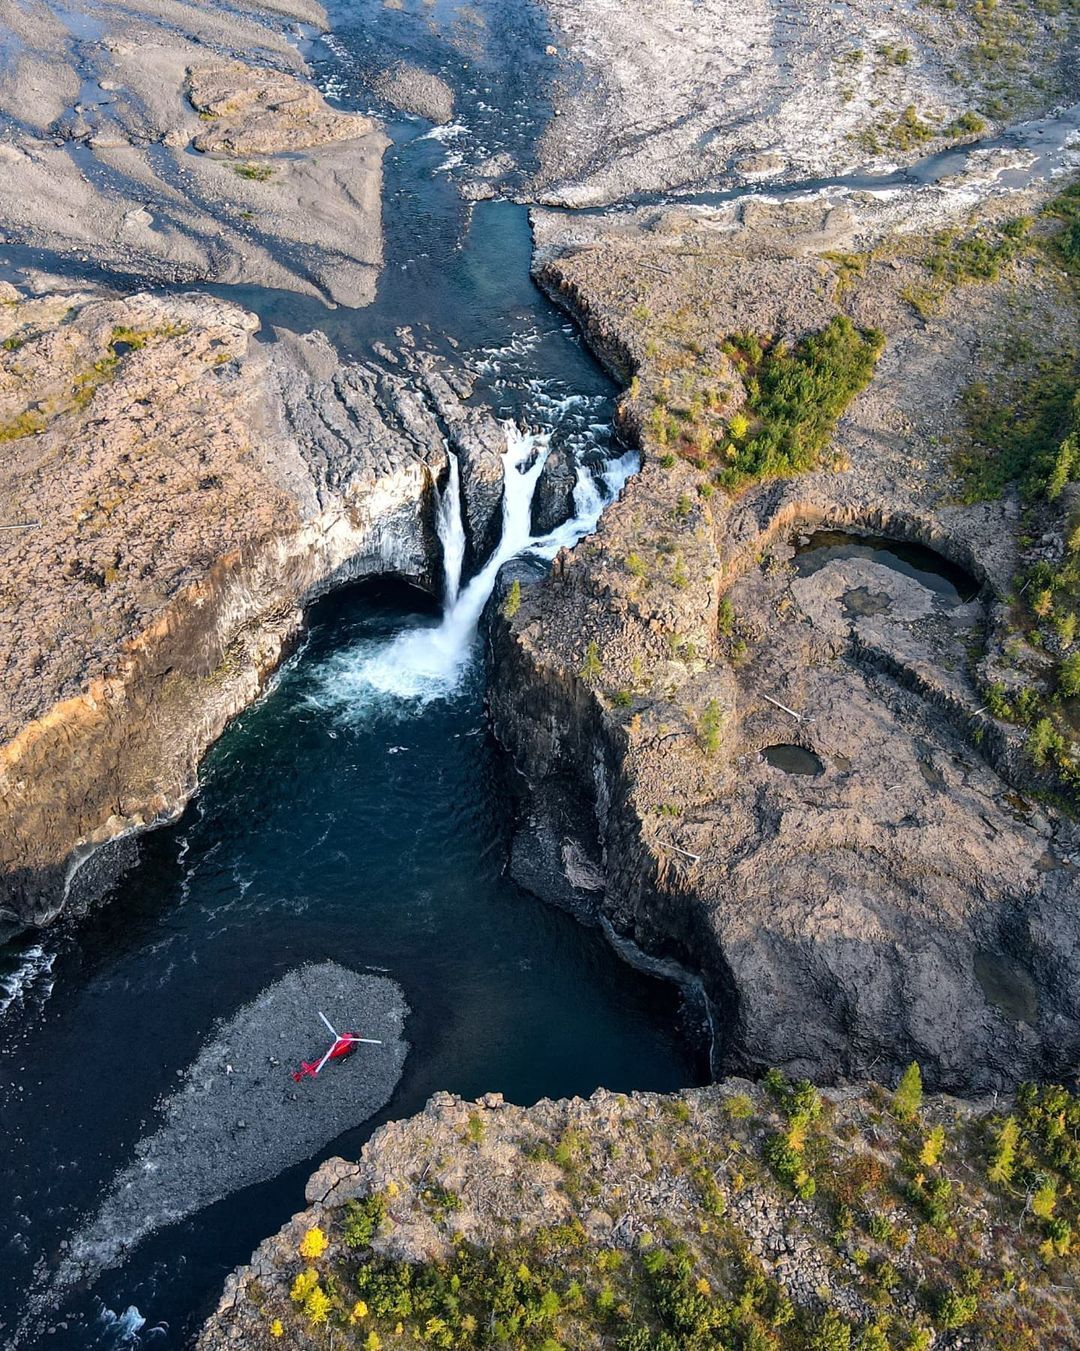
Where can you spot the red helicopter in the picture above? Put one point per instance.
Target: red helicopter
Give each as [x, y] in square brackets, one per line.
[342, 1045]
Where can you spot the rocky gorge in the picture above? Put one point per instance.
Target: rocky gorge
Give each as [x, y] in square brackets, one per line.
[157, 578]
[784, 725]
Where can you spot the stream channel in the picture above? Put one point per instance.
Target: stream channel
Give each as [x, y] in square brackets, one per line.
[358, 812]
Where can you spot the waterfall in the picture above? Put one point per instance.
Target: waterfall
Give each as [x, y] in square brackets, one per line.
[451, 530]
[425, 663]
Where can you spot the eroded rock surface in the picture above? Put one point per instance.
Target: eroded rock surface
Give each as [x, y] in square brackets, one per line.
[689, 93]
[97, 164]
[839, 918]
[249, 111]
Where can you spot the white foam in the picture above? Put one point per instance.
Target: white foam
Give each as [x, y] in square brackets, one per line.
[450, 131]
[429, 662]
[451, 530]
[32, 974]
[592, 493]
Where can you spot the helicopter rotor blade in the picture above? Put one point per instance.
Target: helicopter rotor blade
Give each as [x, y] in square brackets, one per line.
[368, 1041]
[329, 1024]
[325, 1058]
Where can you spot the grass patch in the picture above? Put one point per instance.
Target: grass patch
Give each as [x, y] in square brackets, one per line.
[796, 397]
[26, 424]
[254, 171]
[965, 257]
[1029, 435]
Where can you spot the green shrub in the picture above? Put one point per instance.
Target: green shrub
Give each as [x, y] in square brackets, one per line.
[932, 1147]
[710, 727]
[907, 1100]
[955, 1310]
[1003, 1156]
[636, 565]
[362, 1220]
[512, 603]
[591, 669]
[830, 1333]
[1069, 676]
[797, 396]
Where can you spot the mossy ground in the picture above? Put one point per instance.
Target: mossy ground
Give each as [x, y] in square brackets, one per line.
[1023, 436]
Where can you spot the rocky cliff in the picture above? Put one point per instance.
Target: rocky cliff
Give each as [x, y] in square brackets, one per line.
[174, 493]
[790, 777]
[736, 1215]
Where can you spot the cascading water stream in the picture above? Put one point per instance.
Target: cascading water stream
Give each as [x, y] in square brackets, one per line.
[451, 531]
[427, 663]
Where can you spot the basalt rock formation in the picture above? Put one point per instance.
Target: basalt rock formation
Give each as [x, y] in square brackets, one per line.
[912, 901]
[174, 493]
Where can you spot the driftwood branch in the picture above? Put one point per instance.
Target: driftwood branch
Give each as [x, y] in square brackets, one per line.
[696, 858]
[791, 711]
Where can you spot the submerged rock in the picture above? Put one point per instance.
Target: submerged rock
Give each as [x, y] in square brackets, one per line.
[238, 1118]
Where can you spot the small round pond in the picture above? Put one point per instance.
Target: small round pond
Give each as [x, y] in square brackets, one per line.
[792, 759]
[950, 582]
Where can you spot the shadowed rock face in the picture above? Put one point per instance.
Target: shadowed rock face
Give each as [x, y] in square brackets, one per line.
[238, 1117]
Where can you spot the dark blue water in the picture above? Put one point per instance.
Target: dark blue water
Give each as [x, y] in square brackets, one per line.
[368, 830]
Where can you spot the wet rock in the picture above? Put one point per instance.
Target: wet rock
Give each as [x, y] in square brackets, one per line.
[554, 500]
[416, 91]
[253, 111]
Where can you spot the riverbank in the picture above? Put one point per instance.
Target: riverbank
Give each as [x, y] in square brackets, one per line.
[185, 143]
[693, 96]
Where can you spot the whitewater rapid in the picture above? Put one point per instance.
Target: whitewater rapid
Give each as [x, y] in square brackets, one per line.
[428, 663]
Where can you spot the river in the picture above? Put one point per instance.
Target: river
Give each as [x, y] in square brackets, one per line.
[359, 811]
